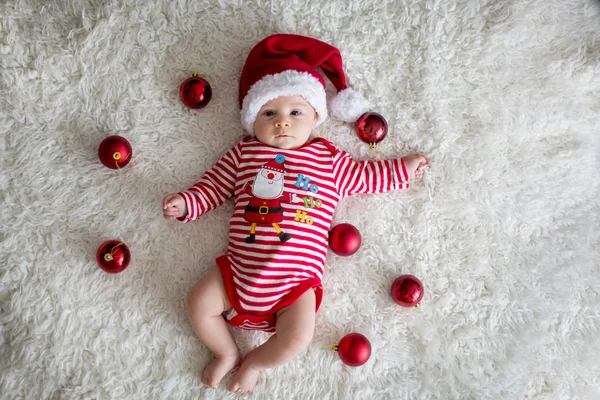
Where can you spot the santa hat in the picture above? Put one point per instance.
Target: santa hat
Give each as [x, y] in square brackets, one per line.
[275, 165]
[285, 65]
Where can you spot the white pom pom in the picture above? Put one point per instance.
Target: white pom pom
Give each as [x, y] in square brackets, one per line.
[348, 105]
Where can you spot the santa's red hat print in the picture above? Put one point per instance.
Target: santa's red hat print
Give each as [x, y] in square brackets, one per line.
[275, 165]
[286, 65]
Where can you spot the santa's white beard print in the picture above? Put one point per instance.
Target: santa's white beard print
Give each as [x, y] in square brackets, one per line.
[265, 188]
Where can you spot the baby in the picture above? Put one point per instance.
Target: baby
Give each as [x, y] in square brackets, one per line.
[286, 185]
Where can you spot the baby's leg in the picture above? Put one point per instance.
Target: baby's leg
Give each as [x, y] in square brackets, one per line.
[295, 326]
[206, 301]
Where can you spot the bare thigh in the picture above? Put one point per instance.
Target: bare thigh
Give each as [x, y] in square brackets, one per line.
[296, 322]
[208, 296]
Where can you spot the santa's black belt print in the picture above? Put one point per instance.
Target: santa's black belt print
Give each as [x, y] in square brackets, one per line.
[264, 210]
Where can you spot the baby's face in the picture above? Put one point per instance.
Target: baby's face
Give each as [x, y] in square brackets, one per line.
[285, 122]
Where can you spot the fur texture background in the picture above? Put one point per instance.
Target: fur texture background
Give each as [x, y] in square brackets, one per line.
[502, 96]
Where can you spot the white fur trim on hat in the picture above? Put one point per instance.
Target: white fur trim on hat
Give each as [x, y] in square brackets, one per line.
[348, 105]
[286, 83]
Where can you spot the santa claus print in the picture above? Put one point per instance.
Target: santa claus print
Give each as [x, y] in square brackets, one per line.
[267, 191]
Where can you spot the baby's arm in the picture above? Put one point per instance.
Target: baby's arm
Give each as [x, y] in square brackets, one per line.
[213, 188]
[375, 176]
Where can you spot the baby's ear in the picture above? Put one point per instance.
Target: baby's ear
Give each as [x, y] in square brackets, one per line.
[316, 115]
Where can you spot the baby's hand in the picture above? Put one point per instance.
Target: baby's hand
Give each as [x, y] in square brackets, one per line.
[414, 165]
[174, 206]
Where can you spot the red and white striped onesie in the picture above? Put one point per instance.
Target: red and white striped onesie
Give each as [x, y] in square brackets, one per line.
[284, 202]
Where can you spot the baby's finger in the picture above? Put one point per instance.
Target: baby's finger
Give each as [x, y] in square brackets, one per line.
[167, 201]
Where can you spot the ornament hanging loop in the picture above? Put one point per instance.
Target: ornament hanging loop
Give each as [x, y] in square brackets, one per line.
[110, 256]
[117, 157]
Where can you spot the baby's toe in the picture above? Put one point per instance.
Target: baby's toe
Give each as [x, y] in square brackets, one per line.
[233, 388]
[207, 382]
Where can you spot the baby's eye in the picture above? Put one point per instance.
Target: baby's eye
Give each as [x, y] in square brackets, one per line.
[268, 113]
[296, 113]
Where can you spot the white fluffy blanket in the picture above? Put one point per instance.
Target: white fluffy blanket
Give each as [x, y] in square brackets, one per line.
[502, 96]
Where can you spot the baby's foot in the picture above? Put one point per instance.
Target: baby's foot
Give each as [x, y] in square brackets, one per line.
[218, 368]
[414, 165]
[244, 380]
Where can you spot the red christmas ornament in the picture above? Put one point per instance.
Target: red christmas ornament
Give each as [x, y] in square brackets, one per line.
[115, 152]
[371, 128]
[354, 349]
[113, 256]
[344, 239]
[195, 92]
[407, 291]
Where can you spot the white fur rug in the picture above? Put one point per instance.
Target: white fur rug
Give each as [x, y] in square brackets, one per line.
[502, 96]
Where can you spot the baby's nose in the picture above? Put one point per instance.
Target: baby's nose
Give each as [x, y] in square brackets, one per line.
[282, 123]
